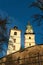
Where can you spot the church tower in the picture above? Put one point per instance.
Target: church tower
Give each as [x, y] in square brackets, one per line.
[29, 36]
[14, 40]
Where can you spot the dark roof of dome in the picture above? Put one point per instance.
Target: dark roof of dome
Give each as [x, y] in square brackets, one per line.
[15, 27]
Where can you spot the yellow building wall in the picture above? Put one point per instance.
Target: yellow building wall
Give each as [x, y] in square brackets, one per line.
[13, 44]
[29, 42]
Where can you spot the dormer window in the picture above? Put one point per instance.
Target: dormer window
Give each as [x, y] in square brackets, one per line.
[15, 33]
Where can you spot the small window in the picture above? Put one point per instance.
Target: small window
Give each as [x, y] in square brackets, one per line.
[13, 47]
[29, 37]
[29, 44]
[14, 40]
[15, 33]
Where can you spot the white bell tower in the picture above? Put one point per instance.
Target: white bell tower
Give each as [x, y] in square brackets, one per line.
[29, 36]
[14, 40]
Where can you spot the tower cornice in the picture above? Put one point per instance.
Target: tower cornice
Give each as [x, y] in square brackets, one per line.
[29, 33]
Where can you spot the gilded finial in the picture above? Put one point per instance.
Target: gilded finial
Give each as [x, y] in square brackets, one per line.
[29, 28]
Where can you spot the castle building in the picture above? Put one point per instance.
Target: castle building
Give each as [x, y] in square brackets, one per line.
[14, 40]
[29, 36]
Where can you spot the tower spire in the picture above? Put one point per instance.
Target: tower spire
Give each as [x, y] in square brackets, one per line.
[29, 28]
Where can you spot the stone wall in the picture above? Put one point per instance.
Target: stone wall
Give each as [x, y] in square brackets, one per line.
[28, 56]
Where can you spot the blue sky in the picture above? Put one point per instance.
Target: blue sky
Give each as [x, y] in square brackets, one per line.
[20, 13]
